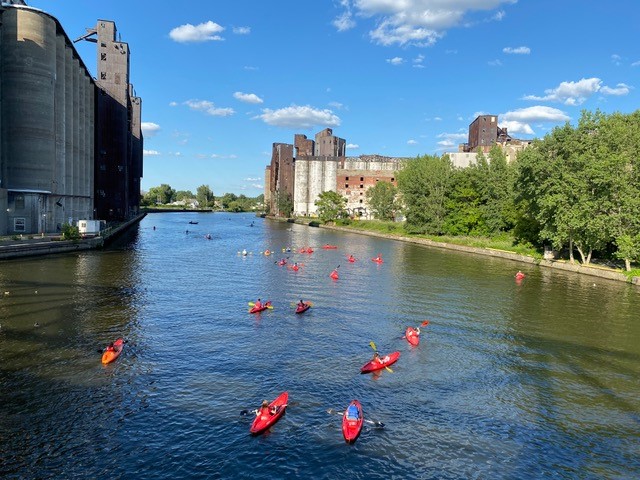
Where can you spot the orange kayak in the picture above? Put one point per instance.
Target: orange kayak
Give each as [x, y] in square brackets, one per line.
[110, 355]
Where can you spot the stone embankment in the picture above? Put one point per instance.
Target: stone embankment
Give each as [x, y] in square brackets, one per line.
[595, 271]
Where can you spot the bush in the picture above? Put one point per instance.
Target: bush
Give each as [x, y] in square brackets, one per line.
[314, 223]
[70, 232]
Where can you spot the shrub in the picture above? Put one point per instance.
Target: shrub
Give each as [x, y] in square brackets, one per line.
[70, 232]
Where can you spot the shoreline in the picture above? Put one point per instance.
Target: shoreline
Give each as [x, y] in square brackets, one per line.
[594, 271]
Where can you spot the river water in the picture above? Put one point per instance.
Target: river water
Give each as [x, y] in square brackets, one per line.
[537, 379]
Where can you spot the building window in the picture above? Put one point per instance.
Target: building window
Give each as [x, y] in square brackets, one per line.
[360, 200]
[103, 75]
[347, 179]
[103, 45]
[392, 179]
[18, 224]
[103, 167]
[19, 202]
[362, 179]
[103, 57]
[361, 185]
[346, 185]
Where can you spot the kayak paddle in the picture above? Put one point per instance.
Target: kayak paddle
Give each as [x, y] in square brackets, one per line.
[373, 345]
[377, 424]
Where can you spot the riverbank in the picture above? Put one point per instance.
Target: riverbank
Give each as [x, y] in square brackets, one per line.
[592, 270]
[18, 246]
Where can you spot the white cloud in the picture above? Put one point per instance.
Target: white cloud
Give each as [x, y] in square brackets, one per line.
[203, 32]
[242, 30]
[209, 108]
[446, 144]
[413, 22]
[517, 127]
[417, 62]
[337, 105]
[251, 179]
[495, 63]
[249, 68]
[353, 146]
[257, 185]
[570, 93]
[173, 104]
[247, 97]
[518, 121]
[395, 60]
[149, 129]
[412, 142]
[619, 90]
[299, 117]
[517, 50]
[150, 153]
[454, 136]
[616, 59]
[636, 64]
[576, 93]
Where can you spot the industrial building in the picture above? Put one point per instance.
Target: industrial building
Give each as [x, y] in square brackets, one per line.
[70, 144]
[484, 133]
[299, 173]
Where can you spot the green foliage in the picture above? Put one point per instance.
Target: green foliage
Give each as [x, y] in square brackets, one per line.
[70, 232]
[284, 205]
[184, 195]
[382, 200]
[331, 206]
[205, 197]
[160, 195]
[424, 183]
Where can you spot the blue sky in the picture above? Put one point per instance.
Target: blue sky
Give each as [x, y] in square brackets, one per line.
[223, 80]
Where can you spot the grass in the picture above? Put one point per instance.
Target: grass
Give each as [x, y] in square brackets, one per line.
[503, 242]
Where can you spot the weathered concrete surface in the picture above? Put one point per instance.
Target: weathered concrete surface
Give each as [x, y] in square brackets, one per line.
[595, 271]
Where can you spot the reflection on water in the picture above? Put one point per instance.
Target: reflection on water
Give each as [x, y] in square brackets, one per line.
[528, 380]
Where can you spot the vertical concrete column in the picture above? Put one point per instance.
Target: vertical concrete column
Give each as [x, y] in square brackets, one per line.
[316, 182]
[91, 90]
[57, 211]
[68, 134]
[80, 191]
[76, 139]
[300, 187]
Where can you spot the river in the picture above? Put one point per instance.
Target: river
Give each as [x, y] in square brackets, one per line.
[536, 379]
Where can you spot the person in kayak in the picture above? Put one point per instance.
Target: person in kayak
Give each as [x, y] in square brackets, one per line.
[352, 258]
[377, 358]
[110, 348]
[258, 304]
[301, 304]
[265, 410]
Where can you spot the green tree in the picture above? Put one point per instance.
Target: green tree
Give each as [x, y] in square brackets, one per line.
[226, 200]
[424, 183]
[382, 200]
[183, 195]
[205, 197]
[284, 204]
[162, 194]
[331, 206]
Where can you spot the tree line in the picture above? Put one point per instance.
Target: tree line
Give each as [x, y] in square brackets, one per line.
[577, 189]
[165, 195]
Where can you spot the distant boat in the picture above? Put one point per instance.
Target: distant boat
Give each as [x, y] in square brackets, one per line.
[192, 222]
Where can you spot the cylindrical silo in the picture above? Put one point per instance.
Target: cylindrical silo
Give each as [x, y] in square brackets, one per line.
[91, 149]
[28, 76]
[68, 135]
[82, 126]
[76, 136]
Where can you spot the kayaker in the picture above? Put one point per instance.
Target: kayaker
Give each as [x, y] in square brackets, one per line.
[379, 258]
[265, 410]
[377, 358]
[519, 274]
[110, 347]
[258, 304]
[301, 304]
[352, 258]
[244, 252]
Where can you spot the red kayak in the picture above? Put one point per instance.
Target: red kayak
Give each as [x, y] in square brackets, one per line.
[111, 355]
[412, 336]
[264, 420]
[303, 308]
[351, 259]
[374, 365]
[261, 308]
[330, 247]
[377, 260]
[352, 420]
